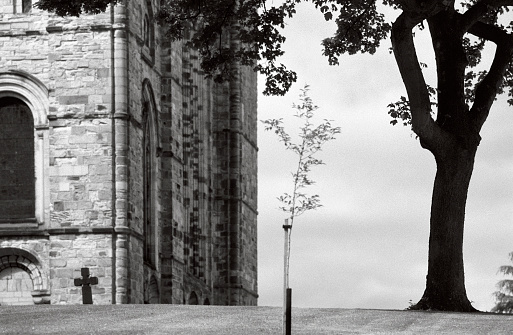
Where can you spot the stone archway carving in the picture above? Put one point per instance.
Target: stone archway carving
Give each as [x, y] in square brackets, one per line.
[22, 259]
[151, 294]
[28, 89]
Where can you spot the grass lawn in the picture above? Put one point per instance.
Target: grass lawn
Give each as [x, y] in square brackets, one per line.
[179, 319]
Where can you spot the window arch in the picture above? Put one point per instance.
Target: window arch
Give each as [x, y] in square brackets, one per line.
[26, 270]
[17, 177]
[193, 299]
[151, 295]
[150, 199]
[149, 188]
[27, 91]
[148, 33]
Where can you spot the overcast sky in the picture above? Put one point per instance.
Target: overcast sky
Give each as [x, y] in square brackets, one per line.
[367, 247]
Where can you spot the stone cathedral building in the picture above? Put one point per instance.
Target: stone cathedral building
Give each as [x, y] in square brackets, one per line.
[116, 154]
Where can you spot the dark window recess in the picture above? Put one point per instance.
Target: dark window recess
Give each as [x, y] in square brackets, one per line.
[17, 176]
[149, 190]
[26, 6]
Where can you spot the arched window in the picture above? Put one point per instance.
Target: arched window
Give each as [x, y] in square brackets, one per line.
[193, 299]
[150, 199]
[21, 279]
[17, 173]
[26, 6]
[151, 292]
[148, 33]
[30, 95]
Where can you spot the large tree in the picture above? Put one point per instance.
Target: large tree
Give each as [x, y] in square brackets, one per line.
[462, 97]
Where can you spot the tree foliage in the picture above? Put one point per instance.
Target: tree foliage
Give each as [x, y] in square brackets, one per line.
[74, 7]
[259, 35]
[504, 294]
[360, 29]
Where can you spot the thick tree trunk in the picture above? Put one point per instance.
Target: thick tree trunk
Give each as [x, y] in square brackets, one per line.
[445, 285]
[454, 137]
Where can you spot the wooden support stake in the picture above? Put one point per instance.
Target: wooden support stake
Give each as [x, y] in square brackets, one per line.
[286, 302]
[288, 312]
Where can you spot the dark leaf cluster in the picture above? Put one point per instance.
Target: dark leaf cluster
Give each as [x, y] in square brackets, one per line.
[360, 28]
[206, 25]
[400, 110]
[74, 7]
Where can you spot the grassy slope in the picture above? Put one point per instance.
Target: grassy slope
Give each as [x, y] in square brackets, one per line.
[175, 319]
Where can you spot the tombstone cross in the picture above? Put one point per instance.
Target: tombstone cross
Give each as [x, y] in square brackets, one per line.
[86, 282]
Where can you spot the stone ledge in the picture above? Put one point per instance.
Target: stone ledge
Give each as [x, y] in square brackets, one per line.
[22, 231]
[26, 221]
[80, 231]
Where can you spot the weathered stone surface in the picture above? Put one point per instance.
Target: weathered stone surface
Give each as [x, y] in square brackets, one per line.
[133, 161]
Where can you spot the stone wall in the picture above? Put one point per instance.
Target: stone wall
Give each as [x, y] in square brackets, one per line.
[172, 152]
[71, 58]
[235, 187]
[144, 76]
[249, 189]
[68, 254]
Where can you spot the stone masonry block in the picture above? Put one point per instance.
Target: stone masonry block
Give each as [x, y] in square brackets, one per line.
[58, 263]
[73, 99]
[60, 244]
[69, 170]
[62, 273]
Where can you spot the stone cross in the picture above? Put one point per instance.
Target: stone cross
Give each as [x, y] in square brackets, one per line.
[86, 282]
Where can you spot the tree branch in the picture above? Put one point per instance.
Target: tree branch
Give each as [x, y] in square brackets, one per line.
[489, 32]
[487, 89]
[479, 10]
[420, 106]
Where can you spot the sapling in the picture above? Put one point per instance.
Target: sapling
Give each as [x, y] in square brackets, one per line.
[312, 137]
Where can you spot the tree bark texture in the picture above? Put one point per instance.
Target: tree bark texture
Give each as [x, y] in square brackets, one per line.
[445, 284]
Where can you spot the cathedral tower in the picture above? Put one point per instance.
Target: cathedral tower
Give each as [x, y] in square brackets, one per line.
[116, 154]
